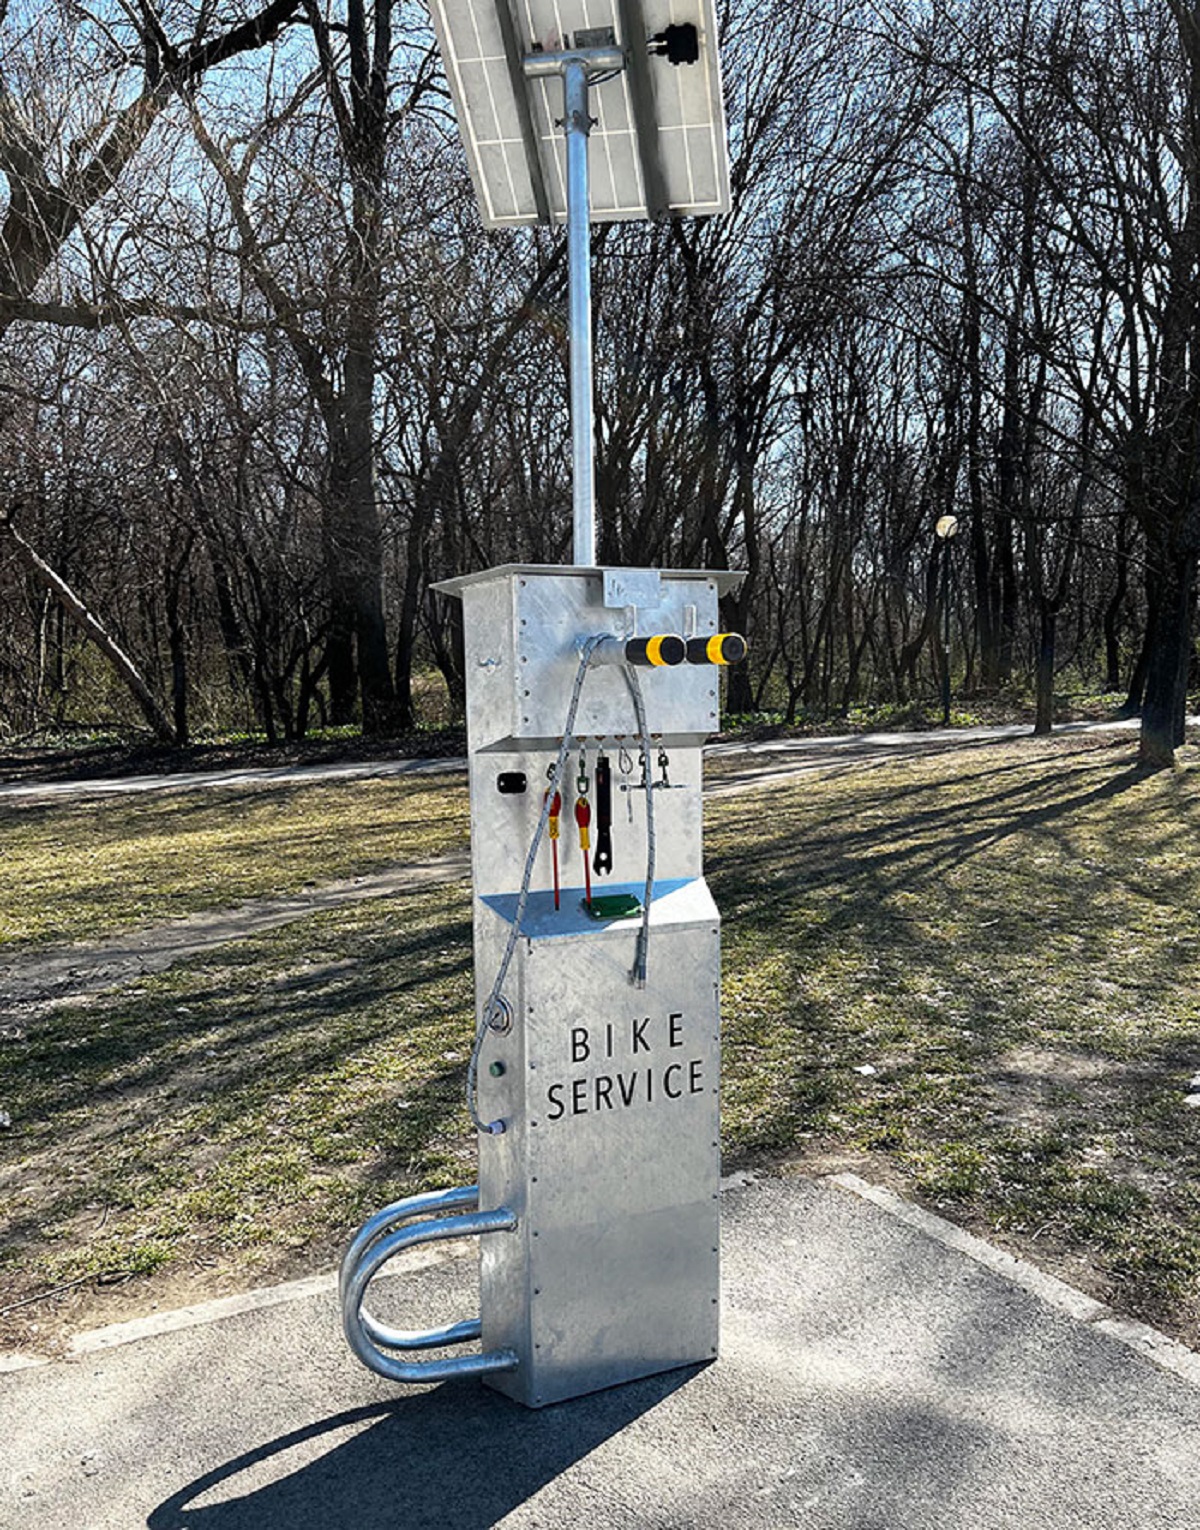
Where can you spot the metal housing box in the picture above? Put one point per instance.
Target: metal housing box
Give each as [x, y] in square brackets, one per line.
[523, 626]
[611, 1159]
[609, 1092]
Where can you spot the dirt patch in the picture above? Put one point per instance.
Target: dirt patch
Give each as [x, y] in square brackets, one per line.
[1029, 1085]
[63, 975]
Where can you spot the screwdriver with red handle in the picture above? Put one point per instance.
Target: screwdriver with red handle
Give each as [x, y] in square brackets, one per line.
[555, 812]
[583, 818]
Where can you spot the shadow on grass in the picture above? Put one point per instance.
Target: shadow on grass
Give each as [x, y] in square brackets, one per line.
[887, 948]
[226, 1007]
[247, 1080]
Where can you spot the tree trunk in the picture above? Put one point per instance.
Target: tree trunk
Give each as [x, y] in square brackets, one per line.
[1044, 716]
[1169, 641]
[94, 629]
[1112, 611]
[177, 642]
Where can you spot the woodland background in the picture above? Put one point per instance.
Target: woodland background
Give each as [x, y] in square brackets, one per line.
[264, 378]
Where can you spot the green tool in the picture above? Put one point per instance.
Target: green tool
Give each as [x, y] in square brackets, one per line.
[614, 906]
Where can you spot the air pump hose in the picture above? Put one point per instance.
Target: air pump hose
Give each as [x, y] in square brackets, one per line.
[493, 1005]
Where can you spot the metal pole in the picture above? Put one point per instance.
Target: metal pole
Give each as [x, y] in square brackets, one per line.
[946, 633]
[578, 125]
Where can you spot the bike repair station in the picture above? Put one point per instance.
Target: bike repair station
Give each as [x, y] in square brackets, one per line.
[594, 1078]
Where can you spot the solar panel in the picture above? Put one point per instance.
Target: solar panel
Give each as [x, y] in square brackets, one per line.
[658, 147]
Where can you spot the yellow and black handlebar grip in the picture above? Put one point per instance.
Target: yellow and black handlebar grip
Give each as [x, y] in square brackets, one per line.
[663, 649]
[721, 648]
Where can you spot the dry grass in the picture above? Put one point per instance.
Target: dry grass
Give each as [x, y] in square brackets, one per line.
[976, 974]
[75, 871]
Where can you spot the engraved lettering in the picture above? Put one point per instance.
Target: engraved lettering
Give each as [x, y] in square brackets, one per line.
[627, 1093]
[554, 1095]
[675, 1029]
[695, 1075]
[608, 1035]
[604, 1091]
[580, 1049]
[579, 1093]
[674, 1094]
[640, 1044]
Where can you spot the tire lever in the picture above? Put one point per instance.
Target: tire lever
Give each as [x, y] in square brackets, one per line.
[602, 860]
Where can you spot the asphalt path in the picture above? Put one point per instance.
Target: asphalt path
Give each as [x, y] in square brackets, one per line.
[768, 757]
[875, 1374]
[880, 1370]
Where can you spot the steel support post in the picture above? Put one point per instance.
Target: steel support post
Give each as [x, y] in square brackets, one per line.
[946, 633]
[577, 125]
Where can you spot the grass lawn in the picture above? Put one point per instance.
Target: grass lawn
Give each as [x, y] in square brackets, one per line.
[972, 976]
[77, 871]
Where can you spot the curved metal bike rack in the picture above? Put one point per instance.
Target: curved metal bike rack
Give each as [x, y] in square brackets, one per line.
[385, 1235]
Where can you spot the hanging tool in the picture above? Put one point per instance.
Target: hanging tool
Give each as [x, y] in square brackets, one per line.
[583, 818]
[602, 861]
[663, 762]
[552, 826]
[625, 762]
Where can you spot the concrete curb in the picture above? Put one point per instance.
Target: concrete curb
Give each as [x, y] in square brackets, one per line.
[1140, 1337]
[1148, 1342]
[154, 1324]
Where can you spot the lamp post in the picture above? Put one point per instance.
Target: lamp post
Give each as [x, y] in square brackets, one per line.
[946, 530]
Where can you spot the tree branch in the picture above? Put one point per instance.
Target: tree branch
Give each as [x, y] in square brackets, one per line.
[92, 627]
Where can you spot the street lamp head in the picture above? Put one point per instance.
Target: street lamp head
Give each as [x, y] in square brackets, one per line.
[947, 527]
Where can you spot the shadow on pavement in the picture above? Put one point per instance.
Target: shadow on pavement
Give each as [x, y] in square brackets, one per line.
[458, 1458]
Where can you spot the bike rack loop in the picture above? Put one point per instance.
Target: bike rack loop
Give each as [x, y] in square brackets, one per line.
[379, 1239]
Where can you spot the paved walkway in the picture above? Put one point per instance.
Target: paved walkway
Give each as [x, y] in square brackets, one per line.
[52, 973]
[782, 756]
[879, 1371]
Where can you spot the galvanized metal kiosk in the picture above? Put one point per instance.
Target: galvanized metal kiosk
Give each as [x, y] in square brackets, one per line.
[594, 1080]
